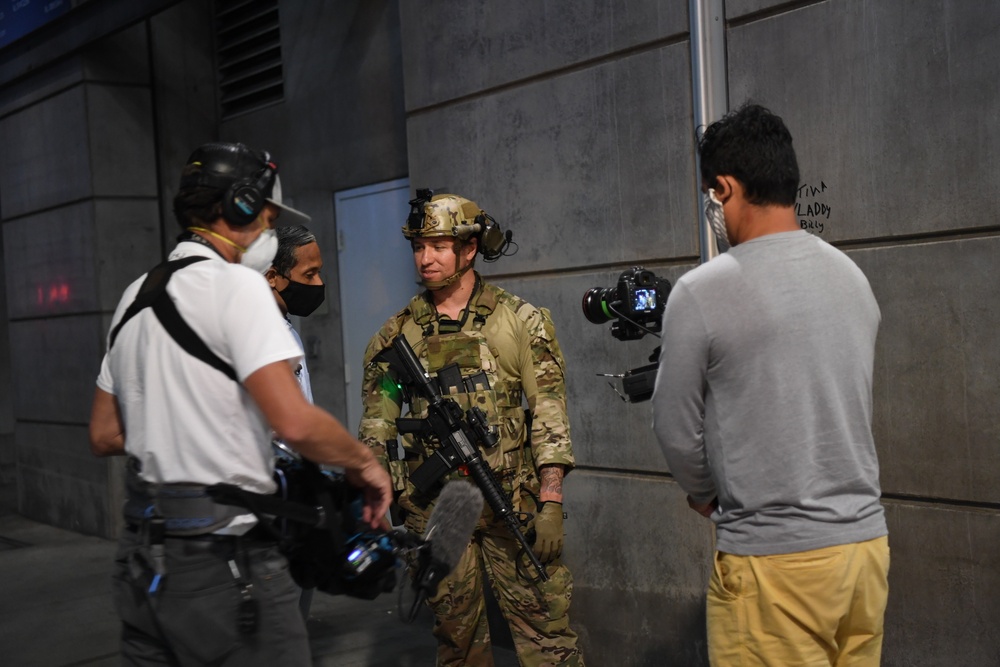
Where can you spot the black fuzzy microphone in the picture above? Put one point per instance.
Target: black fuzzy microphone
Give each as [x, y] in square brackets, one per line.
[448, 532]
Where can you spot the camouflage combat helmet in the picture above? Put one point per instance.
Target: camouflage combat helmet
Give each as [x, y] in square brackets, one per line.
[444, 215]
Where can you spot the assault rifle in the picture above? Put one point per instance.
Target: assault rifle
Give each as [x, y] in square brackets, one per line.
[459, 435]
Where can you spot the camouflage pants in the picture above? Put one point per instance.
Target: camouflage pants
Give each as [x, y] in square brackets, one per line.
[538, 615]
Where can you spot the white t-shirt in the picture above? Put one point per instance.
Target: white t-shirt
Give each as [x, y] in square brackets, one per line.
[301, 370]
[184, 420]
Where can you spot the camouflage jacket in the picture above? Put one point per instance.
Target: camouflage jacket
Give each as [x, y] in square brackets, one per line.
[506, 338]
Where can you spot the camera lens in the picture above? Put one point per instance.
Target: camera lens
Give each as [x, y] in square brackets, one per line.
[595, 305]
[359, 559]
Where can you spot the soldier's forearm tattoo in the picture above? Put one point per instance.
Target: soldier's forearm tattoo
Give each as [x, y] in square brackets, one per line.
[552, 481]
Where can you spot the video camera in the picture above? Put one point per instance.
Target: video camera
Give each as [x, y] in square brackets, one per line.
[315, 517]
[636, 305]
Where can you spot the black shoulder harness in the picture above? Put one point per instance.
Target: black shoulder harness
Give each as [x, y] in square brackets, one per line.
[154, 293]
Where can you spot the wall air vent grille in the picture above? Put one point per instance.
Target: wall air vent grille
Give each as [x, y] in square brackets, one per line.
[248, 55]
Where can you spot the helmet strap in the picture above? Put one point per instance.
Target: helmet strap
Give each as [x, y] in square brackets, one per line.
[435, 285]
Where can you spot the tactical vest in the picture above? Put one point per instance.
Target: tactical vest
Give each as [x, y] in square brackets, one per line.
[482, 381]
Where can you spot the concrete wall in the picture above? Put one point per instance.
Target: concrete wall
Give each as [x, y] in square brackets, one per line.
[571, 124]
[78, 212]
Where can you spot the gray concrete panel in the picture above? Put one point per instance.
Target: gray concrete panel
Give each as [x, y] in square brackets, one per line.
[640, 561]
[944, 587]
[184, 90]
[120, 58]
[606, 431]
[594, 167]
[48, 161]
[122, 153]
[46, 83]
[54, 362]
[78, 258]
[125, 245]
[61, 482]
[62, 450]
[936, 424]
[892, 107]
[452, 49]
[49, 262]
[737, 9]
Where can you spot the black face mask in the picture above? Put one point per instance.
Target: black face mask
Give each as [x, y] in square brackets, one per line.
[302, 299]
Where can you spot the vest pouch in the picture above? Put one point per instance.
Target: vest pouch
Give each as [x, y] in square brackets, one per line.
[470, 352]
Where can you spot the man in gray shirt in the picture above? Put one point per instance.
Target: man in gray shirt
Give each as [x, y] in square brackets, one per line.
[763, 407]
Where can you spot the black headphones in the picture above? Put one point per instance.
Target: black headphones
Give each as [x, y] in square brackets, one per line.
[244, 174]
[244, 200]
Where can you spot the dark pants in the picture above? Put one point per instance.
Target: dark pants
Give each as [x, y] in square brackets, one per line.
[194, 616]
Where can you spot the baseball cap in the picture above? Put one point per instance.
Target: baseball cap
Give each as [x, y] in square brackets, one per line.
[288, 216]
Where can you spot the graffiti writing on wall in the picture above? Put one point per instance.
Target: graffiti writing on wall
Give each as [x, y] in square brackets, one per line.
[813, 213]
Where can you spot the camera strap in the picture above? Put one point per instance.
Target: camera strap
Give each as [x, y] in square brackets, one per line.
[153, 293]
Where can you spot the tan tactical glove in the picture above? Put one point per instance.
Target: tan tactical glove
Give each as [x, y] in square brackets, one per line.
[549, 531]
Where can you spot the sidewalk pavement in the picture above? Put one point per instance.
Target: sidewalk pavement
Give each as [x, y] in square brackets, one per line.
[56, 610]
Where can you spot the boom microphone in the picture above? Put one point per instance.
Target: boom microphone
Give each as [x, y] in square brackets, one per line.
[448, 532]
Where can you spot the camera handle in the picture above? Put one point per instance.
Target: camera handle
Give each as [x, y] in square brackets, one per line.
[637, 383]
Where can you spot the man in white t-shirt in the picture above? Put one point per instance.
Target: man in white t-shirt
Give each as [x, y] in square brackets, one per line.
[194, 581]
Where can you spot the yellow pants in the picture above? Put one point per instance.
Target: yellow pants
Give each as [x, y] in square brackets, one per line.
[806, 609]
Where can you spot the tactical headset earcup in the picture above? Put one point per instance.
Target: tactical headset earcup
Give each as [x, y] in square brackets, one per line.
[242, 202]
[491, 239]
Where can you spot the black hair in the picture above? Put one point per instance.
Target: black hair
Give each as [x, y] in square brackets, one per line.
[197, 205]
[289, 239]
[752, 145]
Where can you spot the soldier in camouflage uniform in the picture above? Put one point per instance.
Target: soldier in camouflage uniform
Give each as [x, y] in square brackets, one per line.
[507, 352]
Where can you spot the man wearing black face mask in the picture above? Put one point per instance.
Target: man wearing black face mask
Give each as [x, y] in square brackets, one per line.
[295, 273]
[296, 282]
[298, 289]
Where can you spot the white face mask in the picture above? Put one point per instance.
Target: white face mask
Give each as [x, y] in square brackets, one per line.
[716, 219]
[260, 254]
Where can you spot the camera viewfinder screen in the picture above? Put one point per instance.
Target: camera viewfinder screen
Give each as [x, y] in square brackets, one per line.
[645, 299]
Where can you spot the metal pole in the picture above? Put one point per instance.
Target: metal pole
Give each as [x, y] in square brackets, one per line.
[709, 92]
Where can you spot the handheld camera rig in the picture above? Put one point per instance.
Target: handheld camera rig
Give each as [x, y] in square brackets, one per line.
[635, 304]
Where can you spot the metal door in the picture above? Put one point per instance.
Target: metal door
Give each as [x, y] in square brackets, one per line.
[377, 277]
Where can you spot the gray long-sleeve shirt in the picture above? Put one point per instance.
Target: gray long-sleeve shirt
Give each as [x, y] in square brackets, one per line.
[764, 398]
